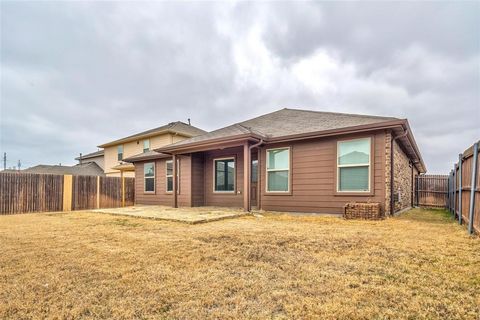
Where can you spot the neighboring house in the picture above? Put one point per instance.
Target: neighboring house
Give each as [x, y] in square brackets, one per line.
[116, 151]
[96, 157]
[288, 160]
[86, 169]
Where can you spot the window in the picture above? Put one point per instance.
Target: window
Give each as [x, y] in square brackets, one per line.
[254, 170]
[224, 175]
[353, 163]
[149, 177]
[278, 170]
[169, 175]
[120, 153]
[146, 145]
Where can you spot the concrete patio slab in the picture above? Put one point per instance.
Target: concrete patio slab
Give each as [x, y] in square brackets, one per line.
[186, 215]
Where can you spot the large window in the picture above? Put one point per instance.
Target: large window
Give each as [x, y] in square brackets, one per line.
[278, 170]
[224, 175]
[169, 175]
[120, 153]
[149, 177]
[353, 164]
[146, 145]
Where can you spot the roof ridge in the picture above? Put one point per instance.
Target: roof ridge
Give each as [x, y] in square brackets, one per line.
[340, 113]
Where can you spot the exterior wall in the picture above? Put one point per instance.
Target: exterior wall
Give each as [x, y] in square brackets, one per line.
[135, 147]
[313, 177]
[160, 196]
[212, 198]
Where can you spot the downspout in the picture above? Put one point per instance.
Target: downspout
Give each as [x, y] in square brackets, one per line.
[256, 145]
[392, 202]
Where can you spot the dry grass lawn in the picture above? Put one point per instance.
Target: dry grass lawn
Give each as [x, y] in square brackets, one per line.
[92, 266]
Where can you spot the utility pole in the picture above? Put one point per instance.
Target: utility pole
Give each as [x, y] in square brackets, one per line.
[19, 165]
[4, 161]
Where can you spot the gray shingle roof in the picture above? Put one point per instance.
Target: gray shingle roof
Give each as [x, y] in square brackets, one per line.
[175, 127]
[87, 169]
[91, 155]
[149, 155]
[287, 122]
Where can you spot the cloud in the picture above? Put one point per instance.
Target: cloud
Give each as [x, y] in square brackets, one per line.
[75, 75]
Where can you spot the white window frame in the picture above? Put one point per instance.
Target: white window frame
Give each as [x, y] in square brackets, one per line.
[143, 143]
[234, 175]
[354, 166]
[145, 178]
[171, 176]
[289, 169]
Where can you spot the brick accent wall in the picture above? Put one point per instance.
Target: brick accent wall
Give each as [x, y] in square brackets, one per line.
[402, 176]
[388, 139]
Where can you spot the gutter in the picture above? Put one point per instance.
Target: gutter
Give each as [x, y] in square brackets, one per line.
[392, 141]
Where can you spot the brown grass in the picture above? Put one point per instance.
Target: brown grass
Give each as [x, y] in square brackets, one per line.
[89, 266]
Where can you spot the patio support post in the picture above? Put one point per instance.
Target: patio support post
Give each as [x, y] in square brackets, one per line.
[175, 180]
[246, 177]
[473, 188]
[460, 185]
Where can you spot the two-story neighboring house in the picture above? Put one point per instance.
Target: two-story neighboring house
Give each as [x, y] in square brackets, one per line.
[116, 151]
[96, 157]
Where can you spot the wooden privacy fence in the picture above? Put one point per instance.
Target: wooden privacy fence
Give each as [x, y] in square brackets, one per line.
[464, 189]
[431, 191]
[29, 192]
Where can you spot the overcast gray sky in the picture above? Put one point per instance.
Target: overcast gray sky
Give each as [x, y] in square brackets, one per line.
[78, 74]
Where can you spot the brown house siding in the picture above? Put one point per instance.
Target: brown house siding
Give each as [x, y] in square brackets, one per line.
[313, 177]
[234, 199]
[160, 196]
[198, 180]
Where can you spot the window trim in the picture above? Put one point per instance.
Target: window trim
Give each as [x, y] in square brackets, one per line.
[370, 168]
[167, 176]
[154, 178]
[234, 191]
[143, 145]
[289, 190]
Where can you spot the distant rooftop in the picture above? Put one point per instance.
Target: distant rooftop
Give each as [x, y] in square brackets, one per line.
[87, 169]
[173, 127]
[91, 155]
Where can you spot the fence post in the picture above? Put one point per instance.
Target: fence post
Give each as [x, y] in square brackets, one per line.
[417, 183]
[460, 186]
[98, 192]
[67, 192]
[450, 187]
[473, 188]
[454, 190]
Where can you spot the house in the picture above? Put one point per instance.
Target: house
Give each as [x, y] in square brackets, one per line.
[116, 151]
[287, 160]
[96, 157]
[85, 169]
